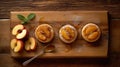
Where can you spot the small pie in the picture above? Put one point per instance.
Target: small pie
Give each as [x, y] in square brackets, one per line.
[68, 33]
[91, 32]
[44, 33]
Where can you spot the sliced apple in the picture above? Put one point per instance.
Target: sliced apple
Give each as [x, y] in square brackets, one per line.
[19, 31]
[65, 35]
[30, 44]
[16, 45]
[22, 34]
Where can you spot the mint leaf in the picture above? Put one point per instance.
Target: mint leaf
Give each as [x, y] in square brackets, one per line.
[31, 16]
[21, 17]
[26, 20]
[24, 23]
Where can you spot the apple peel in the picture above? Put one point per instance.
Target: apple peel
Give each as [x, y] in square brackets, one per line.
[16, 45]
[30, 44]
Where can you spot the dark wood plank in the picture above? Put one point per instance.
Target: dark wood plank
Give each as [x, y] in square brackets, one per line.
[112, 61]
[4, 35]
[59, 5]
[114, 36]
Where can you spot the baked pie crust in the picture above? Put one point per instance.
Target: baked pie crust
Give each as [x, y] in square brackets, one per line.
[44, 33]
[91, 32]
[68, 33]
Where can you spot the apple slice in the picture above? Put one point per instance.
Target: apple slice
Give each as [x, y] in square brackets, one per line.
[22, 34]
[19, 31]
[16, 45]
[30, 44]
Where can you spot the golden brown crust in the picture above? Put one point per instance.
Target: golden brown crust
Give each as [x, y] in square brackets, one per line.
[67, 33]
[44, 33]
[91, 32]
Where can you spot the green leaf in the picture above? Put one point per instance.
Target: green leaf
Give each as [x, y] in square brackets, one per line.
[21, 17]
[31, 16]
[24, 23]
[26, 20]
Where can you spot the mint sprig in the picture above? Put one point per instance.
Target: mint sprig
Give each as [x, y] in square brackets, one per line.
[26, 20]
[31, 16]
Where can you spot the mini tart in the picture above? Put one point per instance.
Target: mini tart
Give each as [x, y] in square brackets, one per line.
[91, 32]
[44, 33]
[68, 34]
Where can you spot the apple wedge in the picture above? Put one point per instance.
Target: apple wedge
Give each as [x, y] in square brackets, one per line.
[30, 44]
[16, 45]
[19, 31]
[22, 34]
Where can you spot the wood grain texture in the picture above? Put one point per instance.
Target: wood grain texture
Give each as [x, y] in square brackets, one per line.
[112, 61]
[80, 48]
[59, 5]
[4, 36]
[113, 6]
[114, 36]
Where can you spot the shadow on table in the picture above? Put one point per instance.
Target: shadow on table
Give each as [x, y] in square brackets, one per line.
[65, 61]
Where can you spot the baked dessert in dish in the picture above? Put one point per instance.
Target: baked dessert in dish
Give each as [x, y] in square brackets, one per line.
[68, 33]
[91, 32]
[44, 33]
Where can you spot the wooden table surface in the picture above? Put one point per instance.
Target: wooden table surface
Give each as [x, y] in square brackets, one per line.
[112, 6]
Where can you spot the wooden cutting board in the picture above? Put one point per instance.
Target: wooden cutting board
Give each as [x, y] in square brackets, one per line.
[80, 48]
